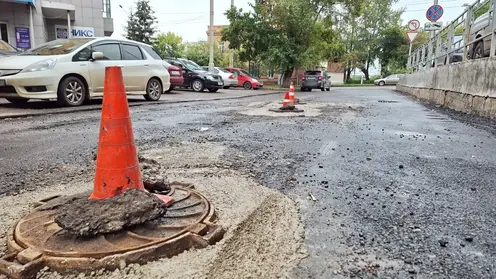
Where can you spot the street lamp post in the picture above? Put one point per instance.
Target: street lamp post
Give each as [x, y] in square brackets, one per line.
[231, 54]
[211, 36]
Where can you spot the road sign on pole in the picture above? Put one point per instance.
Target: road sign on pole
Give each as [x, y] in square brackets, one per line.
[411, 36]
[433, 26]
[413, 25]
[434, 13]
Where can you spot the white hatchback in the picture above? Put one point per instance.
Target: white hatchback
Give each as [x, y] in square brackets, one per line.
[73, 70]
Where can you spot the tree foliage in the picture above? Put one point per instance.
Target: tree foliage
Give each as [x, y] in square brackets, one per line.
[140, 24]
[199, 53]
[169, 45]
[362, 33]
[285, 34]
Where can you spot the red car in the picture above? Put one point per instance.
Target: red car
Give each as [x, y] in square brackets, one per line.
[245, 79]
[176, 75]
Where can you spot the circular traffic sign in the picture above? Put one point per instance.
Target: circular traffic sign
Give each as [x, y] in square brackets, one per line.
[413, 25]
[434, 13]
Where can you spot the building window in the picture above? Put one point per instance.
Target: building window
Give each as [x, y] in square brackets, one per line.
[106, 9]
[222, 47]
[4, 35]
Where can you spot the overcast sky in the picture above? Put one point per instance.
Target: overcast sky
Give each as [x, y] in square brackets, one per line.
[190, 18]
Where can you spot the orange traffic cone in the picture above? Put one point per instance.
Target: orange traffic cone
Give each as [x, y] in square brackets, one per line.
[291, 93]
[287, 100]
[117, 165]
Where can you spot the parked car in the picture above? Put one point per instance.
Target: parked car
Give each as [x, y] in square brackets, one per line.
[456, 56]
[195, 77]
[389, 80]
[227, 77]
[176, 75]
[7, 49]
[481, 27]
[245, 79]
[73, 70]
[315, 80]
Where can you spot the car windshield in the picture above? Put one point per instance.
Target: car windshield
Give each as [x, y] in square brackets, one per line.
[191, 65]
[312, 73]
[6, 47]
[58, 47]
[247, 74]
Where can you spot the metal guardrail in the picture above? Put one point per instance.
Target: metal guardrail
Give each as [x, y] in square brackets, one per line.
[445, 44]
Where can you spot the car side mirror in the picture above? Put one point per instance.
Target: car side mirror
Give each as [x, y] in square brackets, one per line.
[97, 55]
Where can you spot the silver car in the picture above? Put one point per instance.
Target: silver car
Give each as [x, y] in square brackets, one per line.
[389, 80]
[481, 27]
[457, 52]
[7, 49]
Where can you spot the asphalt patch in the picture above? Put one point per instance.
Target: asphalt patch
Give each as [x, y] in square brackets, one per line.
[84, 217]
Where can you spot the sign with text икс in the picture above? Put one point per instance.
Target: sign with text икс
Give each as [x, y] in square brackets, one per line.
[23, 39]
[77, 32]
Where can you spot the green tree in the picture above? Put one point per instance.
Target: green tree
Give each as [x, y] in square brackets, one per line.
[284, 34]
[394, 47]
[169, 45]
[140, 24]
[199, 53]
[365, 34]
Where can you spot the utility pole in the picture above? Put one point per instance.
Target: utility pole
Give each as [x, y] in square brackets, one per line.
[211, 36]
[231, 54]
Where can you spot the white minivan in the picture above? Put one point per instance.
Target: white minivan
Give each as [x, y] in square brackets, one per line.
[73, 70]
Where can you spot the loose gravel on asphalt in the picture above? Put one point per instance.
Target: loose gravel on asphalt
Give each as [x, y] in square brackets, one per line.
[385, 187]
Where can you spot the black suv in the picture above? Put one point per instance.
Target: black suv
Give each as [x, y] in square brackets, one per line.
[195, 77]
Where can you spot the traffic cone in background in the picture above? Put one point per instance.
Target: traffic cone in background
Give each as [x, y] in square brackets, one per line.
[117, 165]
[287, 100]
[291, 93]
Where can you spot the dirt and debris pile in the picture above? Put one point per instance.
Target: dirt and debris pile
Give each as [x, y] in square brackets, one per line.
[85, 217]
[153, 176]
[288, 107]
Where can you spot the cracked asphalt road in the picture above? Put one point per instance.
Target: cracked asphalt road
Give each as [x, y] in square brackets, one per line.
[402, 190]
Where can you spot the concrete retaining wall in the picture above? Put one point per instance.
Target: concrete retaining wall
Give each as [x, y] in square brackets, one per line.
[469, 87]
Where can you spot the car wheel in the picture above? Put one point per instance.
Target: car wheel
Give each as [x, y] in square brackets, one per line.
[213, 90]
[382, 83]
[17, 101]
[198, 85]
[478, 50]
[71, 92]
[227, 87]
[153, 90]
[247, 85]
[170, 89]
[302, 89]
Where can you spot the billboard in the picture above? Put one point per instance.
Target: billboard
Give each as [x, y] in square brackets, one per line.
[77, 32]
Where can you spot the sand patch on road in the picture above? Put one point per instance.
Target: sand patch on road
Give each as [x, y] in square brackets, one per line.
[264, 232]
[310, 109]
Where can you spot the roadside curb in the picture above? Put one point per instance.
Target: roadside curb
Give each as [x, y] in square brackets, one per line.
[83, 109]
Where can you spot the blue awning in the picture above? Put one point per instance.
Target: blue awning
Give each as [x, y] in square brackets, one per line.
[22, 1]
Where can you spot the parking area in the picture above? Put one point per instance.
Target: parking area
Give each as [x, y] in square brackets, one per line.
[34, 107]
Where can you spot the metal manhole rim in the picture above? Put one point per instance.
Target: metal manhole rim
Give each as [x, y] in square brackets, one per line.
[208, 213]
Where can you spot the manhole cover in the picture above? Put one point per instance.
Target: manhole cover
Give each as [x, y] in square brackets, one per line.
[37, 241]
